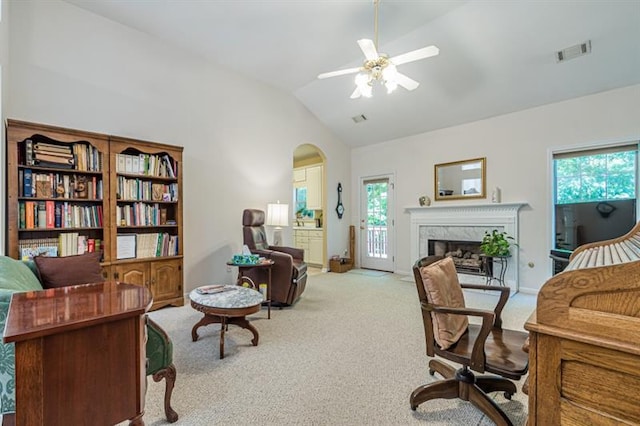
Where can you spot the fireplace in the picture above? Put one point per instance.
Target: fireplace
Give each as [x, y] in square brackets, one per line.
[466, 225]
[466, 255]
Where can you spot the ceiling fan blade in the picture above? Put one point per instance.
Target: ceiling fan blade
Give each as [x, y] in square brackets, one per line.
[415, 55]
[339, 72]
[406, 82]
[368, 48]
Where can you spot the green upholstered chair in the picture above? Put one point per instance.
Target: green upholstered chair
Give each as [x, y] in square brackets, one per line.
[24, 276]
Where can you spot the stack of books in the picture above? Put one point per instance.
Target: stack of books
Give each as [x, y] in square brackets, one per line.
[50, 155]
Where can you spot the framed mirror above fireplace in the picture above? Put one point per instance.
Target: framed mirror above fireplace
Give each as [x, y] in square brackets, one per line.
[460, 180]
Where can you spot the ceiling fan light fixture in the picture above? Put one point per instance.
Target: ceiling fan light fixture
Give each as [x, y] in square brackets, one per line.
[390, 77]
[363, 85]
[378, 67]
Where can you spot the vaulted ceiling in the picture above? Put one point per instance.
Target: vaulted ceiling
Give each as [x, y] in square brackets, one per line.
[495, 56]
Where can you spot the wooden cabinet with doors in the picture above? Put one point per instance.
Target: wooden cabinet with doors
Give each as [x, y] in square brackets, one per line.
[314, 187]
[311, 241]
[310, 177]
[163, 278]
[71, 191]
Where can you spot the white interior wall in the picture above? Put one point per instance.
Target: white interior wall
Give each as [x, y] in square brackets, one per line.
[75, 69]
[4, 76]
[516, 147]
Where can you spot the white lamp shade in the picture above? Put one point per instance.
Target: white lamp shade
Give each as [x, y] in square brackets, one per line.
[278, 214]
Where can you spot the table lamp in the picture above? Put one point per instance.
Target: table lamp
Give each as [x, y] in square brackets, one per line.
[278, 216]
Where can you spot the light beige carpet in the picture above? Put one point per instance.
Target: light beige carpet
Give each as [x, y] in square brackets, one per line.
[350, 352]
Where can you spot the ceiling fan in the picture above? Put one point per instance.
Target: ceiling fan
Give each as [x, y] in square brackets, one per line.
[379, 67]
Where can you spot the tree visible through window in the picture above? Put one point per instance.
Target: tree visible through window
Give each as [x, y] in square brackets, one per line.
[377, 203]
[595, 195]
[599, 177]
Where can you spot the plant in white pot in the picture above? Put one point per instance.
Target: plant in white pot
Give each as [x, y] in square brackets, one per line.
[497, 243]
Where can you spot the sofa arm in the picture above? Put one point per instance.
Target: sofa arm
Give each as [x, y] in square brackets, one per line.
[7, 360]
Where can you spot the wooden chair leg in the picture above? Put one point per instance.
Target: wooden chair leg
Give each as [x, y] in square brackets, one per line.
[445, 370]
[490, 384]
[488, 406]
[447, 389]
[169, 374]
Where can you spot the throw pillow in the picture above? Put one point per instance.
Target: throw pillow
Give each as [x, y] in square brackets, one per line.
[440, 281]
[15, 275]
[69, 270]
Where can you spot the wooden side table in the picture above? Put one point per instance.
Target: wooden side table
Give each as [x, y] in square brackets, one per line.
[243, 268]
[230, 305]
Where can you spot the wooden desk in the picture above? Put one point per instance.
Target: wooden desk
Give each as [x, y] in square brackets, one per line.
[80, 354]
[584, 347]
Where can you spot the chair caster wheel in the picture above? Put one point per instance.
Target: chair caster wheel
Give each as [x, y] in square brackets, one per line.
[413, 408]
[432, 372]
[508, 395]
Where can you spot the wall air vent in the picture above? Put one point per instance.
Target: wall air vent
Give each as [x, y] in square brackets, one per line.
[359, 118]
[573, 51]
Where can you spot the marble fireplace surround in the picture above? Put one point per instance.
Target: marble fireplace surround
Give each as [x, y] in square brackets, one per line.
[465, 223]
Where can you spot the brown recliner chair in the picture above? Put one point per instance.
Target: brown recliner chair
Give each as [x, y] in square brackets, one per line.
[288, 274]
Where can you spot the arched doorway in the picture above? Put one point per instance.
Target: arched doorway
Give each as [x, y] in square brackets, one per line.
[309, 203]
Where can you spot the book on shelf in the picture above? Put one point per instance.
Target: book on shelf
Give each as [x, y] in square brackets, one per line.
[68, 243]
[126, 246]
[43, 186]
[50, 209]
[30, 248]
[28, 152]
[57, 215]
[22, 214]
[30, 214]
[54, 158]
[28, 183]
[52, 164]
[51, 148]
[42, 215]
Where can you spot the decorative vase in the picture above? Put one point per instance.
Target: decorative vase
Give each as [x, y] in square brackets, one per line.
[424, 201]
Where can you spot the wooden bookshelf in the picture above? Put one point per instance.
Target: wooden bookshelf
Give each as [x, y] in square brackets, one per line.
[114, 200]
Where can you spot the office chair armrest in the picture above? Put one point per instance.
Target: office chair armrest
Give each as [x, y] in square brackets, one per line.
[488, 318]
[504, 296]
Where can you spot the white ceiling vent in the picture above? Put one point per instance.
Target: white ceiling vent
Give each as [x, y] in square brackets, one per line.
[573, 51]
[359, 118]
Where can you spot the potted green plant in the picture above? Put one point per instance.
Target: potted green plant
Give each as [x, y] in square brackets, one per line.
[496, 243]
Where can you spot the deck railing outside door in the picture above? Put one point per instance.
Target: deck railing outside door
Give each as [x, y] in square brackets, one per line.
[377, 241]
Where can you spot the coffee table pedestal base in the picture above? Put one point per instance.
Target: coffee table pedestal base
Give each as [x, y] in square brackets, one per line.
[241, 322]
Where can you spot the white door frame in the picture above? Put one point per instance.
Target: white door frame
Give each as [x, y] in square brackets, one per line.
[387, 264]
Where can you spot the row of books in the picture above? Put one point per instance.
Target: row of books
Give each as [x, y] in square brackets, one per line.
[56, 214]
[141, 214]
[66, 244]
[140, 246]
[138, 189]
[44, 152]
[147, 164]
[72, 243]
[57, 185]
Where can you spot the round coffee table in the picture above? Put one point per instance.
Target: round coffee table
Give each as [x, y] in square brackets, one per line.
[228, 304]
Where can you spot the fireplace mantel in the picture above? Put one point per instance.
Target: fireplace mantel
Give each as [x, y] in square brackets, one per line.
[465, 222]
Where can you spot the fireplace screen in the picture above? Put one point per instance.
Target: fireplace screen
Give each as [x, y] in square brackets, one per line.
[466, 256]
